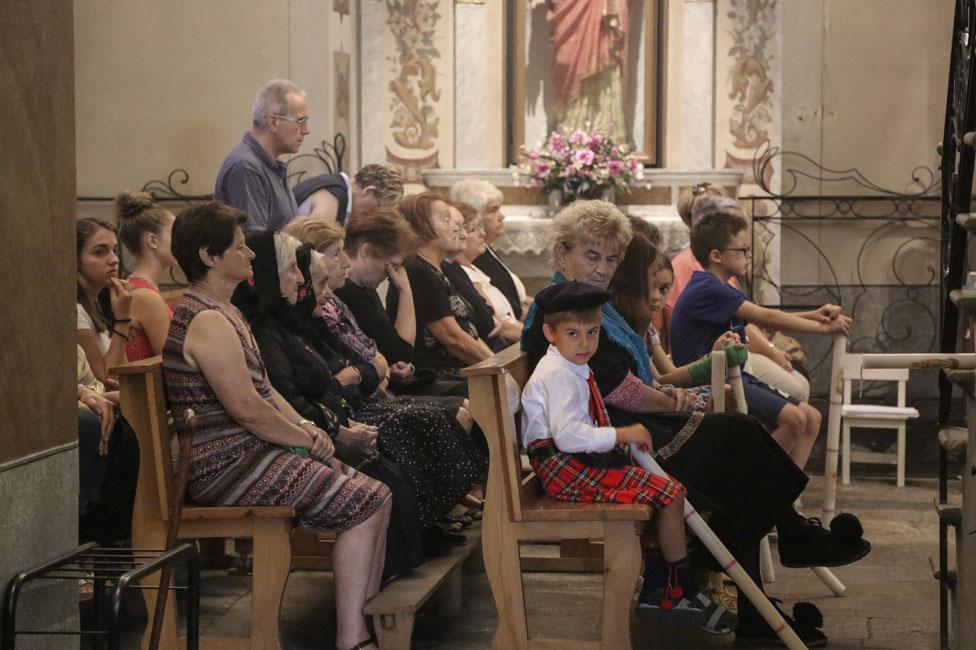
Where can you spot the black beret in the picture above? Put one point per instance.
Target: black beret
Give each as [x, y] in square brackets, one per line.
[570, 296]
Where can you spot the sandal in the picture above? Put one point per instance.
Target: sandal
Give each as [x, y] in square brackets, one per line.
[695, 611]
[365, 643]
[464, 521]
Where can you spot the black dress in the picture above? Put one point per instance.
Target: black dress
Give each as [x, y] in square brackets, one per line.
[434, 298]
[501, 278]
[484, 315]
[427, 444]
[367, 307]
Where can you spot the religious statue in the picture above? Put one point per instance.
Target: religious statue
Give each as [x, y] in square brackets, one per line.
[589, 45]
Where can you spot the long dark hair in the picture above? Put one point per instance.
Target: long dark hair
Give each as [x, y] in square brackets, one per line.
[99, 309]
[631, 286]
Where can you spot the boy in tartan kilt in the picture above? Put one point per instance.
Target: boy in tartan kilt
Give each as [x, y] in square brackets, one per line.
[578, 456]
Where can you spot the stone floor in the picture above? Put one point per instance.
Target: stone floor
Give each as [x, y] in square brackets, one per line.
[891, 599]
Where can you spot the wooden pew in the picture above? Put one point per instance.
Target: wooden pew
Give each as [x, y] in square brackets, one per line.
[517, 511]
[144, 406]
[273, 530]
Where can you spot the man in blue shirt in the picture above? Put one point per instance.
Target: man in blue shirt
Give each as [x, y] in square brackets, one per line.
[708, 307]
[251, 178]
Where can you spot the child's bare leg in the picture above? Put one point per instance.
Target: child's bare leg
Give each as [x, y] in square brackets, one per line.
[671, 530]
[790, 427]
[808, 437]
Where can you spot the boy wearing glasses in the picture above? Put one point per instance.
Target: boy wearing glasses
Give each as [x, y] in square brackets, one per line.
[709, 307]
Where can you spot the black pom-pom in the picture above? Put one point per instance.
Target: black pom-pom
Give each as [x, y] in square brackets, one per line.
[807, 615]
[847, 528]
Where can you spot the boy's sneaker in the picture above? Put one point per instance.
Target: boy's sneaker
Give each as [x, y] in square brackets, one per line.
[695, 611]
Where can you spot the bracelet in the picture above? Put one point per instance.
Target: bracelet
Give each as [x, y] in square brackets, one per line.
[125, 337]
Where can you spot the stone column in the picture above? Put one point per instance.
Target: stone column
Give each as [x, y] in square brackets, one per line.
[38, 417]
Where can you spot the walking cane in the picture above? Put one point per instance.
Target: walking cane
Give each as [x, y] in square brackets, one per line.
[173, 527]
[833, 427]
[728, 563]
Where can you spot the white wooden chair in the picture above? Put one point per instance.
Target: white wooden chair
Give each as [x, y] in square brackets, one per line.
[873, 416]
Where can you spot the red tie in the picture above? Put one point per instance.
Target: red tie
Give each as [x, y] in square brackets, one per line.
[596, 403]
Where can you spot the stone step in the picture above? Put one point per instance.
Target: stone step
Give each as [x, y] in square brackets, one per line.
[951, 515]
[967, 220]
[965, 300]
[954, 440]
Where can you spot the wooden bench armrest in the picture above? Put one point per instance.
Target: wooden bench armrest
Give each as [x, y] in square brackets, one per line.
[496, 365]
[141, 367]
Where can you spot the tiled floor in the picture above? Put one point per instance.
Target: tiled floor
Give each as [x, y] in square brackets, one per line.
[891, 599]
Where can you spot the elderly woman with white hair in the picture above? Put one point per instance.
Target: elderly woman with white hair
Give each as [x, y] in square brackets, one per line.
[728, 462]
[487, 200]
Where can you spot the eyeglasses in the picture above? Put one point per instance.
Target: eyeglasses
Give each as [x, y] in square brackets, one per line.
[745, 250]
[302, 122]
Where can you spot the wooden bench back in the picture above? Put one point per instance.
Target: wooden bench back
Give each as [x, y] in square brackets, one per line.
[489, 405]
[173, 297]
[144, 406]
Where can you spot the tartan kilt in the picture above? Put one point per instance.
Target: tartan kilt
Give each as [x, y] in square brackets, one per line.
[566, 478]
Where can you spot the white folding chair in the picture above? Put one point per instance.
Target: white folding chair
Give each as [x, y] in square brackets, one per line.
[872, 416]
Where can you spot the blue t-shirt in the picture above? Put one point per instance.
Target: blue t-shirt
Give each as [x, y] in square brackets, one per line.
[705, 310]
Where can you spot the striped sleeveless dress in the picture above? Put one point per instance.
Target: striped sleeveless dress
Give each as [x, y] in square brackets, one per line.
[230, 466]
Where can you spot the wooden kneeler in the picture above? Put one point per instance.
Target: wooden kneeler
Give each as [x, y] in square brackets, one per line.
[144, 406]
[517, 511]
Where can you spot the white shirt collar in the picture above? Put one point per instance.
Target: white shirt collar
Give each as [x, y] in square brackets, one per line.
[581, 371]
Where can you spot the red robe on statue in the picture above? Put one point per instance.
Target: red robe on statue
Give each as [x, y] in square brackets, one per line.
[588, 37]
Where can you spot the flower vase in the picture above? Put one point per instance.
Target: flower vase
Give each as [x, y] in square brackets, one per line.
[555, 202]
[609, 195]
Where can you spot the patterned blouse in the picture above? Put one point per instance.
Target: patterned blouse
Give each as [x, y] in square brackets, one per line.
[343, 324]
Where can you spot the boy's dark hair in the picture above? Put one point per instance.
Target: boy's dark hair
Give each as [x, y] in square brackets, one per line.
[663, 264]
[714, 232]
[588, 315]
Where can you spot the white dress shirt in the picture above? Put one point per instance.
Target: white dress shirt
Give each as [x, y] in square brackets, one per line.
[556, 404]
[496, 299]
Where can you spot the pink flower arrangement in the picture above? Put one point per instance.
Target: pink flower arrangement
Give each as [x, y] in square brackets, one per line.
[580, 165]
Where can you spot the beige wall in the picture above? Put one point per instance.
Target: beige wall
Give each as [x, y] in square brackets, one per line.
[169, 83]
[864, 84]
